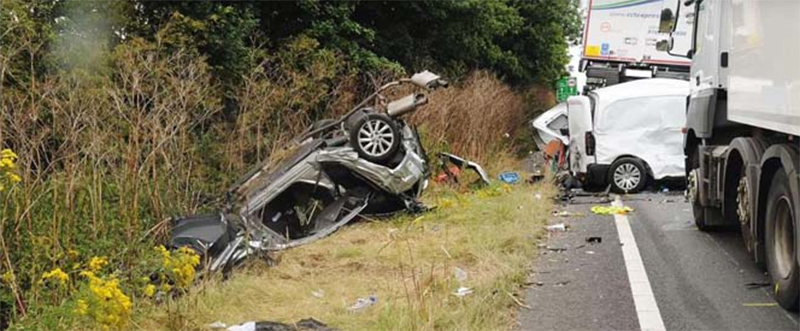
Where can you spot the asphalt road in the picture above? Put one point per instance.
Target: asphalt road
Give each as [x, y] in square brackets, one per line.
[699, 280]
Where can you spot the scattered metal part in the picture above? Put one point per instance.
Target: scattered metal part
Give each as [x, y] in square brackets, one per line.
[461, 163]
[560, 227]
[363, 303]
[463, 291]
[594, 240]
[755, 285]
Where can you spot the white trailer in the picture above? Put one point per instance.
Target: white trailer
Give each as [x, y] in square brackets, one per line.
[743, 130]
[620, 42]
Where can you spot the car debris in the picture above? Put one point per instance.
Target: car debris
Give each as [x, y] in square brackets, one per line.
[509, 177]
[760, 304]
[308, 324]
[611, 210]
[755, 285]
[363, 303]
[594, 240]
[367, 162]
[565, 213]
[445, 159]
[462, 292]
[460, 274]
[560, 227]
[556, 249]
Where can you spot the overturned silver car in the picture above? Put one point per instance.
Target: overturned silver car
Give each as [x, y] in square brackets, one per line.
[367, 162]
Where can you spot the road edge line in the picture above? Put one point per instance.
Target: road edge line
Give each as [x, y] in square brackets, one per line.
[644, 300]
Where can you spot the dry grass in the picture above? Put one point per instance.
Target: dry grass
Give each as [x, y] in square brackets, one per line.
[476, 119]
[408, 262]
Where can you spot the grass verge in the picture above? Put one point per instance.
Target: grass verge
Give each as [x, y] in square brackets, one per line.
[408, 262]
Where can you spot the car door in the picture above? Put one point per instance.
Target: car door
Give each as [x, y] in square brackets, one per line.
[579, 110]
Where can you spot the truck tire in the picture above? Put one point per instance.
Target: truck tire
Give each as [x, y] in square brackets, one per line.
[703, 216]
[375, 137]
[627, 175]
[781, 221]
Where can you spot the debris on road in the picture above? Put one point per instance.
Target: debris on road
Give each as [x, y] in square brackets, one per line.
[509, 177]
[611, 210]
[560, 227]
[590, 252]
[755, 285]
[363, 303]
[463, 291]
[594, 240]
[565, 213]
[556, 249]
[760, 304]
[319, 294]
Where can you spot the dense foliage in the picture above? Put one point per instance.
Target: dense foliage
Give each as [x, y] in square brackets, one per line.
[117, 114]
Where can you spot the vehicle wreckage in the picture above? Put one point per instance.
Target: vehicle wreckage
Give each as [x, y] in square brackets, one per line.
[367, 162]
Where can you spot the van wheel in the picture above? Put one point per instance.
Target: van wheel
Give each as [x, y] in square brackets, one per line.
[781, 221]
[627, 175]
[375, 137]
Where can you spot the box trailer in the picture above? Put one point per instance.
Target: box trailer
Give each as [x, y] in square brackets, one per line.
[620, 42]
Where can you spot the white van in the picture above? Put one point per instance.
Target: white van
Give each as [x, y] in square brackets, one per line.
[625, 134]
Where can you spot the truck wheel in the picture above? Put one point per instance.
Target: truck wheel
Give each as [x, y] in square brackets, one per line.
[782, 265]
[703, 216]
[627, 175]
[375, 137]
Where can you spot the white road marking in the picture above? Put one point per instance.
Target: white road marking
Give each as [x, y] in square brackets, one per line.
[646, 308]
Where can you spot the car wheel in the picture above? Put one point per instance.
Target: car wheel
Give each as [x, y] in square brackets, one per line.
[375, 137]
[627, 175]
[781, 220]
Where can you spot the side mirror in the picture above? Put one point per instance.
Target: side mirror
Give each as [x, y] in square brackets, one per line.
[428, 80]
[665, 45]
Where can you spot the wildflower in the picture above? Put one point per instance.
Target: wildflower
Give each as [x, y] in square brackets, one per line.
[7, 277]
[7, 167]
[56, 274]
[97, 263]
[82, 307]
[73, 254]
[149, 290]
[108, 305]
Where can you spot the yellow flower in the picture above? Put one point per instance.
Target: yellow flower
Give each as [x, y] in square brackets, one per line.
[56, 274]
[82, 307]
[7, 277]
[97, 263]
[73, 254]
[149, 290]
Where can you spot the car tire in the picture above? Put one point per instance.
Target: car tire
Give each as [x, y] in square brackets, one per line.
[781, 222]
[627, 175]
[375, 137]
